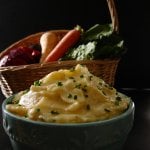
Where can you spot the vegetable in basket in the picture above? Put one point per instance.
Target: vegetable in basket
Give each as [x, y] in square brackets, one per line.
[48, 41]
[68, 41]
[100, 41]
[20, 56]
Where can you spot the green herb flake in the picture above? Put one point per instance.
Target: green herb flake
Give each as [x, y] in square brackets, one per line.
[90, 78]
[104, 93]
[37, 83]
[59, 83]
[54, 112]
[69, 96]
[71, 77]
[84, 88]
[86, 95]
[100, 83]
[118, 98]
[38, 110]
[75, 97]
[82, 76]
[88, 107]
[78, 86]
[15, 101]
[107, 110]
[26, 116]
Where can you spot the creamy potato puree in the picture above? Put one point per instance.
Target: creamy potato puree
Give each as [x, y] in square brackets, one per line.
[69, 96]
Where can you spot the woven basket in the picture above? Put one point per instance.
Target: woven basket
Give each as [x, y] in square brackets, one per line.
[16, 78]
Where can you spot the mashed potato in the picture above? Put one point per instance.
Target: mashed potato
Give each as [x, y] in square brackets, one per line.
[69, 96]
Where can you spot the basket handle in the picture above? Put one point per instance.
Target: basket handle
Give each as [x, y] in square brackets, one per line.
[114, 15]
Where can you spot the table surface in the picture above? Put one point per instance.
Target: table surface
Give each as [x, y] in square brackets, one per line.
[139, 137]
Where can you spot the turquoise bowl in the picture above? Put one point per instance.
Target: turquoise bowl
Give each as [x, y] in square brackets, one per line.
[109, 134]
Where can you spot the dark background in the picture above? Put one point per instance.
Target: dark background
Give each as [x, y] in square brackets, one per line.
[19, 18]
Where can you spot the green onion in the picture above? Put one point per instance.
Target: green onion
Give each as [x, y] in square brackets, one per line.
[118, 98]
[78, 86]
[38, 110]
[75, 97]
[82, 76]
[37, 83]
[107, 110]
[54, 112]
[86, 95]
[69, 96]
[59, 83]
[88, 107]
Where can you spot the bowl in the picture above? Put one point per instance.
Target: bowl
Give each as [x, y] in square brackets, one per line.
[108, 134]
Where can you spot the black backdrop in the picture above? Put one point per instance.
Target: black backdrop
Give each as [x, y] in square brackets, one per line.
[19, 18]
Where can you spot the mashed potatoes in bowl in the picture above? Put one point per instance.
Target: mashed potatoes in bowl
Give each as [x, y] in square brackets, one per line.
[68, 109]
[69, 96]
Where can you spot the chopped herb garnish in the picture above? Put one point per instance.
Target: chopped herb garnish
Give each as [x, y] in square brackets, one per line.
[59, 83]
[90, 78]
[15, 101]
[100, 83]
[78, 86]
[26, 115]
[75, 97]
[104, 93]
[69, 96]
[86, 95]
[38, 110]
[88, 107]
[84, 88]
[118, 98]
[82, 76]
[107, 110]
[54, 112]
[72, 79]
[37, 83]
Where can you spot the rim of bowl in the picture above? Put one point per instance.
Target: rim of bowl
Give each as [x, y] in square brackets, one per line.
[127, 112]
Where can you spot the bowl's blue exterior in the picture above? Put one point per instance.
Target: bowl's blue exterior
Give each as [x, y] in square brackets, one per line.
[102, 135]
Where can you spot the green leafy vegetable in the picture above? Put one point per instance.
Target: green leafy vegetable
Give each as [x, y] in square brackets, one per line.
[98, 42]
[97, 32]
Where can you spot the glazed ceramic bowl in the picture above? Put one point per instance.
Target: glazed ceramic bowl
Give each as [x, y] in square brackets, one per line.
[109, 134]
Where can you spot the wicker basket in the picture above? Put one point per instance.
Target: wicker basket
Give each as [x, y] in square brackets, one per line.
[16, 78]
